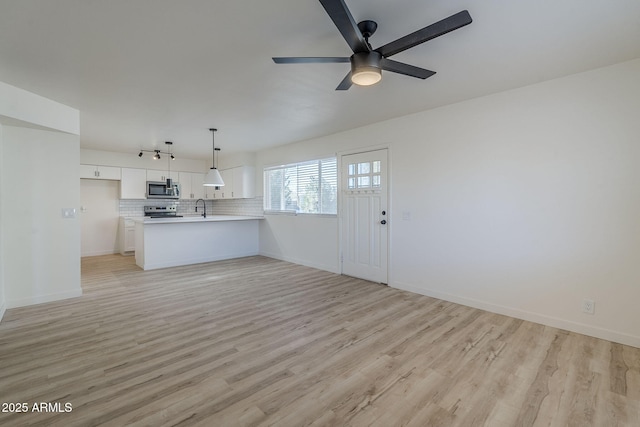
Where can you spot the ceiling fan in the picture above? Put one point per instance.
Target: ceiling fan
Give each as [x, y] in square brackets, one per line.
[367, 63]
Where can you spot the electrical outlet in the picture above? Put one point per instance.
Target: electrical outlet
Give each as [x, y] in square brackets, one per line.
[588, 306]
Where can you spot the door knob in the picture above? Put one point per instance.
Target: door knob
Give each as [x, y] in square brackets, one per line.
[383, 222]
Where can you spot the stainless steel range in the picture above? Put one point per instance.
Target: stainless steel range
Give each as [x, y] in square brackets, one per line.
[170, 211]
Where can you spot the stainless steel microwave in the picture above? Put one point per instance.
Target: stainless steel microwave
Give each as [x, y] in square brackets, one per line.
[163, 189]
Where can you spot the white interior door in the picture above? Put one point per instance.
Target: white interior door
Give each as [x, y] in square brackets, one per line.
[364, 215]
[99, 216]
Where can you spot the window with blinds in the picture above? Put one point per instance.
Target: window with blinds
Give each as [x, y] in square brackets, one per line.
[307, 187]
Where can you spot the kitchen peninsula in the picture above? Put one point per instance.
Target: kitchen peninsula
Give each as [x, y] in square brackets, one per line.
[171, 242]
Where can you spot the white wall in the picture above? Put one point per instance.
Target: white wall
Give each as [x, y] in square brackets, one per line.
[3, 305]
[99, 216]
[25, 109]
[310, 240]
[40, 255]
[42, 250]
[523, 203]
[528, 202]
[302, 239]
[232, 160]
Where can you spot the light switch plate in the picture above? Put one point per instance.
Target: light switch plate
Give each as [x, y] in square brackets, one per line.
[68, 213]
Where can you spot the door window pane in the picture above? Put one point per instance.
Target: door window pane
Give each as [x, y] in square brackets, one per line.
[364, 168]
[364, 181]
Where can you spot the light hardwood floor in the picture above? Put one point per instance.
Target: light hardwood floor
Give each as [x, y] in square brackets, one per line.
[257, 341]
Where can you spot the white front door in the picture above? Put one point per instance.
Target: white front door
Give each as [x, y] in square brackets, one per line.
[364, 215]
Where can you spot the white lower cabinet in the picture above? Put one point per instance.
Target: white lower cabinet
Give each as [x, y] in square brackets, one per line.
[127, 236]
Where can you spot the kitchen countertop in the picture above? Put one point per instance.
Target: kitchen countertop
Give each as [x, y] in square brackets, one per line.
[194, 218]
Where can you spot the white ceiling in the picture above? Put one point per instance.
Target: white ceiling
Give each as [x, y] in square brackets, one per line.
[142, 72]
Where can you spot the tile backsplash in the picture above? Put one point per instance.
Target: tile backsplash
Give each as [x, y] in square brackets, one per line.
[252, 207]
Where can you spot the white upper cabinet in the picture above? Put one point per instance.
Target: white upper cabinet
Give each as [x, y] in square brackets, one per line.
[239, 183]
[226, 190]
[197, 189]
[133, 184]
[100, 172]
[160, 175]
[191, 185]
[243, 182]
[184, 178]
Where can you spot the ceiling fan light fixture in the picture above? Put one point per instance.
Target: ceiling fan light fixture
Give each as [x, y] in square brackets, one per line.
[365, 68]
[366, 76]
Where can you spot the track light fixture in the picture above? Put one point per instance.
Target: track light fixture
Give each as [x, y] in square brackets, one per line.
[156, 153]
[156, 156]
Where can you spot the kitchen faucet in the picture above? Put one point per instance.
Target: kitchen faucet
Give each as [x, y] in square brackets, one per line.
[204, 208]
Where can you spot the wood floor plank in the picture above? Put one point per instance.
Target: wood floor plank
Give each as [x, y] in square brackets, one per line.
[261, 342]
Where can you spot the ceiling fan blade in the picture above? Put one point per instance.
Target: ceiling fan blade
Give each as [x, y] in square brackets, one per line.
[341, 17]
[310, 60]
[345, 83]
[406, 69]
[432, 31]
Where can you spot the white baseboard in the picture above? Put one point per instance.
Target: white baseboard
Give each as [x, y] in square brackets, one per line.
[98, 253]
[329, 268]
[3, 308]
[40, 299]
[554, 322]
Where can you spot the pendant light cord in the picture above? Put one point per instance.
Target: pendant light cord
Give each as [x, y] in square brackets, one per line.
[213, 153]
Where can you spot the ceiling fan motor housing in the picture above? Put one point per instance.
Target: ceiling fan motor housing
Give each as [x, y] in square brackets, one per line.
[365, 68]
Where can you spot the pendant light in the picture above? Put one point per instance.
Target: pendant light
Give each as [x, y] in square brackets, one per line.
[169, 180]
[213, 178]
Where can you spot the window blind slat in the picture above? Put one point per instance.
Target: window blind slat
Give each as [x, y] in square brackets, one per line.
[306, 187]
